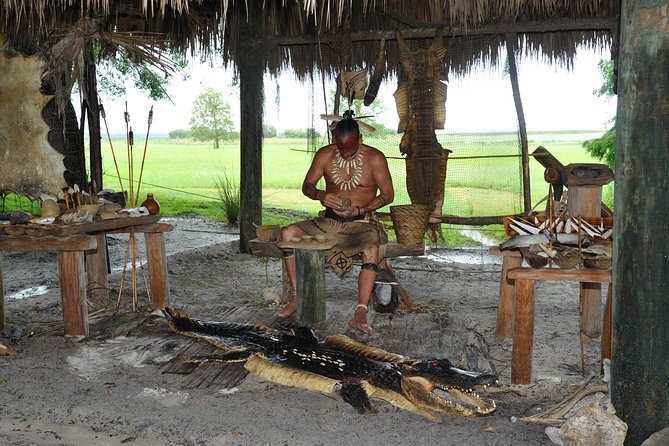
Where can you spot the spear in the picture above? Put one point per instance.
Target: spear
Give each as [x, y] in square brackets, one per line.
[146, 142]
[104, 118]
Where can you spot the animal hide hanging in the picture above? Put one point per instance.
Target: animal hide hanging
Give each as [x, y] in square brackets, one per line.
[36, 154]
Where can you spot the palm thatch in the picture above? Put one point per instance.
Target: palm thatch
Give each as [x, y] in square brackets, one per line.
[325, 36]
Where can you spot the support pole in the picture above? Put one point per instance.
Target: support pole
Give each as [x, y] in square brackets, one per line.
[251, 65]
[640, 346]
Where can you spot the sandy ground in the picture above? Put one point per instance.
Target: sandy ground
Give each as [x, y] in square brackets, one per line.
[108, 388]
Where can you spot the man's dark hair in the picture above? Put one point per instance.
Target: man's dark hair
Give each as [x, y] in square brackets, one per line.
[347, 126]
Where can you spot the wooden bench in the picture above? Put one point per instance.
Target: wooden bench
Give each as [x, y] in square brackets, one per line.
[82, 259]
[311, 274]
[524, 278]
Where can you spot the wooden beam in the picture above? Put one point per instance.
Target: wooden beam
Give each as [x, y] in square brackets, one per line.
[24, 243]
[558, 25]
[581, 275]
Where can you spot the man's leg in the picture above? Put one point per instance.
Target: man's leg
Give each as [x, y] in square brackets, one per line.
[366, 281]
[288, 233]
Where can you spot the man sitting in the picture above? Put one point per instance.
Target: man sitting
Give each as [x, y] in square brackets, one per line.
[357, 182]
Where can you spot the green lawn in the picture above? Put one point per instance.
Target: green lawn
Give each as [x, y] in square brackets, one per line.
[182, 174]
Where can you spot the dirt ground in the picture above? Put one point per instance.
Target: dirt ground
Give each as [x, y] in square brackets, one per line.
[110, 388]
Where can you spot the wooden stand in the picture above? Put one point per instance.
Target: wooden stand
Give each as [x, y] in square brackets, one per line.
[521, 369]
[310, 287]
[506, 311]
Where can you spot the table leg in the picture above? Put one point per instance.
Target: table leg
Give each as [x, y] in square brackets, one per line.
[157, 265]
[591, 295]
[96, 270]
[310, 266]
[73, 292]
[521, 364]
[506, 311]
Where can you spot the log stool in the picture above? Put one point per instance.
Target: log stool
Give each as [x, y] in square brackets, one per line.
[521, 368]
[310, 284]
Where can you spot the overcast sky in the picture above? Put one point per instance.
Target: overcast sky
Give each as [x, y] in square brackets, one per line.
[553, 99]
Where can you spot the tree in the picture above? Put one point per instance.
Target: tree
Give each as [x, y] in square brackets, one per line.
[115, 70]
[179, 134]
[268, 131]
[604, 147]
[211, 117]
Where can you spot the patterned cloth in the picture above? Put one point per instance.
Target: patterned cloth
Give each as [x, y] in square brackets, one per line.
[352, 238]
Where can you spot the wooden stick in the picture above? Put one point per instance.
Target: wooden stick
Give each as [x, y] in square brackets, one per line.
[146, 143]
[125, 268]
[134, 268]
[104, 118]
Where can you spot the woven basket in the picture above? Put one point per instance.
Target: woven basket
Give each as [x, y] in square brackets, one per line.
[410, 222]
[268, 233]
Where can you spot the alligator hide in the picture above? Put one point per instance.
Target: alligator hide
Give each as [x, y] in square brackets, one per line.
[36, 155]
[297, 358]
[421, 106]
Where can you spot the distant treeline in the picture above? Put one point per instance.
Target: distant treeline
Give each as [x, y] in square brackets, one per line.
[270, 131]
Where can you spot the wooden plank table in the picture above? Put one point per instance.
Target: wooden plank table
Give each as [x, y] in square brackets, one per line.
[71, 242]
[521, 368]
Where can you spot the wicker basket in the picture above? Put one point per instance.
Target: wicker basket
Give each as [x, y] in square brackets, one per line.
[410, 222]
[268, 233]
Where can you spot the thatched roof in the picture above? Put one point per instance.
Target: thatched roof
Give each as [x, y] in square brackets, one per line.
[316, 35]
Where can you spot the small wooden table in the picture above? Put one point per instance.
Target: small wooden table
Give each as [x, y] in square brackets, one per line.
[521, 368]
[71, 242]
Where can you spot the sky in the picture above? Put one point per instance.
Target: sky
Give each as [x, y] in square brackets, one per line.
[553, 99]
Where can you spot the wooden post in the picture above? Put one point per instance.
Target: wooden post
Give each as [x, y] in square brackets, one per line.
[252, 64]
[156, 261]
[506, 311]
[96, 270]
[521, 363]
[585, 201]
[310, 286]
[2, 299]
[73, 292]
[640, 349]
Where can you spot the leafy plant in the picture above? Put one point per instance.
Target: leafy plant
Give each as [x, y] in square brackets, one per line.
[229, 195]
[604, 147]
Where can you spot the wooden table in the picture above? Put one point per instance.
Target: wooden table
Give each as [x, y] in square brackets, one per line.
[71, 242]
[521, 368]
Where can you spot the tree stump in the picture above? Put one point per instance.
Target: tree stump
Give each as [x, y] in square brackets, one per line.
[310, 286]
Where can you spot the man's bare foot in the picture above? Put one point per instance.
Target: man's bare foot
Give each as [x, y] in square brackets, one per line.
[359, 321]
[289, 309]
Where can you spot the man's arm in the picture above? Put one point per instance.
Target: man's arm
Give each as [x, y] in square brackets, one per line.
[314, 174]
[384, 183]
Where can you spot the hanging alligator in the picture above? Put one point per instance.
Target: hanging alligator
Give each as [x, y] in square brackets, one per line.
[420, 100]
[297, 358]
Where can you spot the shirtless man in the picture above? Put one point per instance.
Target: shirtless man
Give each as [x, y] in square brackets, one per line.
[357, 182]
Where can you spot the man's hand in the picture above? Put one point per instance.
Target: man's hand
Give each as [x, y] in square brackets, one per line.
[333, 200]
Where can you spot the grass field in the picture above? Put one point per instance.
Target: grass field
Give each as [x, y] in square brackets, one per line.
[182, 174]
